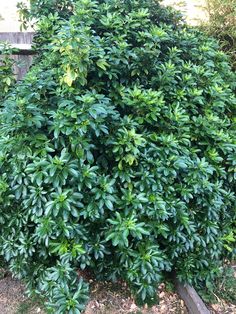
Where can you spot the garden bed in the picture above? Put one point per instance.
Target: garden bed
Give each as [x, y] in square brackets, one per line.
[106, 298]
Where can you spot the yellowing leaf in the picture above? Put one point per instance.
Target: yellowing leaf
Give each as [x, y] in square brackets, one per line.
[8, 81]
[70, 76]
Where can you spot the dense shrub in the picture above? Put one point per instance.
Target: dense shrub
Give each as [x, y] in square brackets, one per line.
[223, 287]
[222, 24]
[117, 154]
[29, 14]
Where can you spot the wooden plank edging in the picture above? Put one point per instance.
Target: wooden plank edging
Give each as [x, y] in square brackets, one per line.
[191, 298]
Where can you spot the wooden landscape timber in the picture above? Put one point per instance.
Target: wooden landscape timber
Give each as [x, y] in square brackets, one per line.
[192, 300]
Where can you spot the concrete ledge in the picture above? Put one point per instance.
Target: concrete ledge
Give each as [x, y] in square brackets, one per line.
[192, 300]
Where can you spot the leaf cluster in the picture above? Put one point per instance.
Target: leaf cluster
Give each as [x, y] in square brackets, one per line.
[7, 77]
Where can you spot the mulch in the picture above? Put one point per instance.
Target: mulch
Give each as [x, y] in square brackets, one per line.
[106, 298]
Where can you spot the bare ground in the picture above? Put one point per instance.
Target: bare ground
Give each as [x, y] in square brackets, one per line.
[11, 294]
[106, 298]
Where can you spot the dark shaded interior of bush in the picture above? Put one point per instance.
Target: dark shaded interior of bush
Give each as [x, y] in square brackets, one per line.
[117, 154]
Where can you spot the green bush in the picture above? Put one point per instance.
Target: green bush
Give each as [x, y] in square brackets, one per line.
[38, 8]
[223, 287]
[117, 154]
[222, 24]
